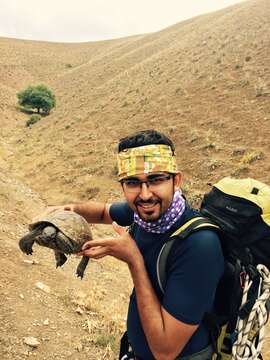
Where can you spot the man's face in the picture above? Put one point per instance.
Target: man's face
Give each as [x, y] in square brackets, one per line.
[150, 200]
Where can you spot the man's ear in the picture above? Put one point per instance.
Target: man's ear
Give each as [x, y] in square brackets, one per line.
[177, 181]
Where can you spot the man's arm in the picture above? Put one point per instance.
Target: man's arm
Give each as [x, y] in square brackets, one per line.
[94, 212]
[166, 336]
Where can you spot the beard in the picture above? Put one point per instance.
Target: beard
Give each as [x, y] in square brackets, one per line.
[150, 210]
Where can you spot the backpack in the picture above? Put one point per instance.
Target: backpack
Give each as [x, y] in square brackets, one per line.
[239, 211]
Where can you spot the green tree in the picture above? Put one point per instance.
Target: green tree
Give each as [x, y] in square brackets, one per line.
[38, 97]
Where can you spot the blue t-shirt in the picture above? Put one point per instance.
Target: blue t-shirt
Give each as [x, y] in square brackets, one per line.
[195, 266]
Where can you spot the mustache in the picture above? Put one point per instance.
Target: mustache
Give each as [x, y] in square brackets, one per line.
[146, 202]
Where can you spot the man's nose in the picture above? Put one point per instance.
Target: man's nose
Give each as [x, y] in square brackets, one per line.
[145, 193]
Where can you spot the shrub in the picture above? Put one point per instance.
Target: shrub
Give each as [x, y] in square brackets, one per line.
[33, 119]
[38, 97]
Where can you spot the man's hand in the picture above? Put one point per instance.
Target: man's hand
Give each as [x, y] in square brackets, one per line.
[122, 247]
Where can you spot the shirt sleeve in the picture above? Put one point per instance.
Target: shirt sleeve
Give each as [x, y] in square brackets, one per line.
[195, 267]
[122, 213]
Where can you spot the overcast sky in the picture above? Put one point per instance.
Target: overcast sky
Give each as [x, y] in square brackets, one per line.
[90, 20]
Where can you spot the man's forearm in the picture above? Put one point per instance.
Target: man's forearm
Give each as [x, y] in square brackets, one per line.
[93, 212]
[150, 312]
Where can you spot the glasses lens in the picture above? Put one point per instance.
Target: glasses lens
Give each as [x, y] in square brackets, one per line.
[158, 180]
[132, 185]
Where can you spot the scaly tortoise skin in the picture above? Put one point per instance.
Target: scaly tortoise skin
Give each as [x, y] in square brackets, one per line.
[63, 231]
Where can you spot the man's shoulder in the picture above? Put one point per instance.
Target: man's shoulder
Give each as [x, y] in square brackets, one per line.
[199, 250]
[203, 241]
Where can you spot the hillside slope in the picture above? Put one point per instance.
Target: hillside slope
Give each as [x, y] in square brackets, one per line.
[204, 81]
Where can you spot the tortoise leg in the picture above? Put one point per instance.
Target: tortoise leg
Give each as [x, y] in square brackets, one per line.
[60, 258]
[63, 243]
[82, 265]
[26, 242]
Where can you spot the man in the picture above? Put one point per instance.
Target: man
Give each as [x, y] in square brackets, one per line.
[159, 326]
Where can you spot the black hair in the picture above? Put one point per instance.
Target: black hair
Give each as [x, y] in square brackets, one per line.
[145, 137]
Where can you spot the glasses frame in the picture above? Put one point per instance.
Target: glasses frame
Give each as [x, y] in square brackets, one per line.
[149, 182]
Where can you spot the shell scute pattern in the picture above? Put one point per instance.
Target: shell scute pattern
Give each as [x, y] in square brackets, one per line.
[63, 231]
[69, 223]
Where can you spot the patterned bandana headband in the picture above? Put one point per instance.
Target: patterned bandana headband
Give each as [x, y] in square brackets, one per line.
[146, 159]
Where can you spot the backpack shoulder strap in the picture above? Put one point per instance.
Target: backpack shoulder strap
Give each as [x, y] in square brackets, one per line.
[192, 225]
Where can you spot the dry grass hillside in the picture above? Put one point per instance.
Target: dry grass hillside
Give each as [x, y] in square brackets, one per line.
[205, 82]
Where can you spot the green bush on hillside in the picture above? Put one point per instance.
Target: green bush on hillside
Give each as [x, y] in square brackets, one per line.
[38, 97]
[33, 119]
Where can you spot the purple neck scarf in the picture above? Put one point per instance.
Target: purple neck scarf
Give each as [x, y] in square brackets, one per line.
[166, 221]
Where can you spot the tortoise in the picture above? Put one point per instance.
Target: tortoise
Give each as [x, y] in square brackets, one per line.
[63, 231]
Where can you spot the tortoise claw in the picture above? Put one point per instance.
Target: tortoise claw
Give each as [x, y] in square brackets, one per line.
[60, 258]
[81, 267]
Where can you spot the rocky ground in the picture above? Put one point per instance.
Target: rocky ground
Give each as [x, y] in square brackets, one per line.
[47, 312]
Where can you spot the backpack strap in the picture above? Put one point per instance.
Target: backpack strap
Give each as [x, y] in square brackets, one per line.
[191, 226]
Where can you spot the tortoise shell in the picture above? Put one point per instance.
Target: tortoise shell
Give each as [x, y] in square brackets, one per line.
[71, 224]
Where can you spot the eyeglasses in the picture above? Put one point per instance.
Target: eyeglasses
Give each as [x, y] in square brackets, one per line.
[153, 182]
